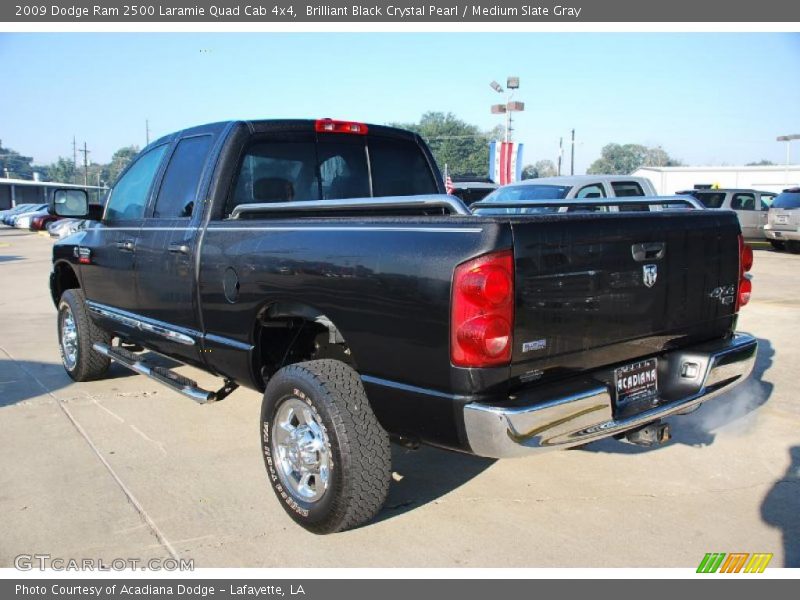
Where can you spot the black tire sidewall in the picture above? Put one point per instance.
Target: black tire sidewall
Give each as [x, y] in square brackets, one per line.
[314, 516]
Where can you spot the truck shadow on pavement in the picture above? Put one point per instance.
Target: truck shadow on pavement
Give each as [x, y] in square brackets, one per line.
[781, 509]
[736, 408]
[22, 380]
[425, 475]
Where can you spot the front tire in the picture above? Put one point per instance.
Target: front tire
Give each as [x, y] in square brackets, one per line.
[327, 457]
[77, 333]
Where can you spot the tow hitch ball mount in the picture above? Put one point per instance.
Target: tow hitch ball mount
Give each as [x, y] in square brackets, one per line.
[652, 434]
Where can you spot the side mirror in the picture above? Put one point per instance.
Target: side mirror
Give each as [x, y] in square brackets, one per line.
[69, 203]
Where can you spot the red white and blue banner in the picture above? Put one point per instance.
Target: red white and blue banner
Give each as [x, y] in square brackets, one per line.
[505, 162]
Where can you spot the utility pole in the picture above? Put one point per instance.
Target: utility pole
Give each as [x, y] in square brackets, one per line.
[147, 131]
[74, 158]
[86, 153]
[560, 153]
[572, 156]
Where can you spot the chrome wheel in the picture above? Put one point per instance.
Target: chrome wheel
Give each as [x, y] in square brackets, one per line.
[301, 450]
[69, 338]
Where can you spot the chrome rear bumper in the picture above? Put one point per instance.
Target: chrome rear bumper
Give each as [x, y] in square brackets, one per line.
[585, 412]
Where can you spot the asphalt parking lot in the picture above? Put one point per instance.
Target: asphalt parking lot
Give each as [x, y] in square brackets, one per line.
[126, 468]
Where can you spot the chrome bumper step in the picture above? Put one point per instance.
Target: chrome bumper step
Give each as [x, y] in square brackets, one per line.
[171, 379]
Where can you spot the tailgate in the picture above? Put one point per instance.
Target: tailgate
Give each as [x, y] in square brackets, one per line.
[599, 289]
[782, 219]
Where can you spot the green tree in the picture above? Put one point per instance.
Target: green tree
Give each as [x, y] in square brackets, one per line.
[464, 148]
[13, 163]
[762, 163]
[541, 168]
[63, 171]
[616, 159]
[119, 160]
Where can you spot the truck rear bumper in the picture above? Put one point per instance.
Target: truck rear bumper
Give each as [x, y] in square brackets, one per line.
[782, 234]
[583, 411]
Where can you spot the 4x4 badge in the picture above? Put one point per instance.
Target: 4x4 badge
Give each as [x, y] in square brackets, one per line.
[649, 275]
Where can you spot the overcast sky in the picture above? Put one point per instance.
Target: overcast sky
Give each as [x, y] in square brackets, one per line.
[706, 98]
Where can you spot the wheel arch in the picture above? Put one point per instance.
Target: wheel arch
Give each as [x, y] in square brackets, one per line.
[62, 278]
[287, 332]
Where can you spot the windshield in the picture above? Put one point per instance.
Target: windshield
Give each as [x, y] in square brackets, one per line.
[787, 200]
[511, 193]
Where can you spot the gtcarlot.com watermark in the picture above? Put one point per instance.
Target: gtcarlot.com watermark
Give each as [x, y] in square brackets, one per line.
[42, 562]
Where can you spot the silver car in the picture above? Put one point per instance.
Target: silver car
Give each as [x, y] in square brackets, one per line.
[751, 206]
[783, 227]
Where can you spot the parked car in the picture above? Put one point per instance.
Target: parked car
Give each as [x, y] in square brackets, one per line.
[783, 226]
[321, 263]
[14, 209]
[574, 188]
[40, 221]
[25, 220]
[64, 227]
[9, 216]
[471, 190]
[750, 206]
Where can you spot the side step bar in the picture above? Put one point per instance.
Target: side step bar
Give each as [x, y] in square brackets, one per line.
[179, 383]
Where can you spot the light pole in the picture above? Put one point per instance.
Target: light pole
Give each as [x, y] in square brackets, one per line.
[512, 85]
[788, 139]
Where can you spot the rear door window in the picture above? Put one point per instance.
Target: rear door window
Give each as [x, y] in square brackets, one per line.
[178, 190]
[743, 202]
[624, 189]
[594, 190]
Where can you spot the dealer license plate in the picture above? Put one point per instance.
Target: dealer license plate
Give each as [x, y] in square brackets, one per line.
[636, 381]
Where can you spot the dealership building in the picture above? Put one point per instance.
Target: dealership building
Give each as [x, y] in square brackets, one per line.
[772, 178]
[26, 191]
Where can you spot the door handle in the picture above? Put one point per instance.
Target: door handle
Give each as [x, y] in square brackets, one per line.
[126, 245]
[180, 248]
[648, 251]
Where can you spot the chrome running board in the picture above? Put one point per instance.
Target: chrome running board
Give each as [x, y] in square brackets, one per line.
[179, 383]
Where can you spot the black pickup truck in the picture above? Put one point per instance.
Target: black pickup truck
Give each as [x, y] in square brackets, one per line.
[320, 263]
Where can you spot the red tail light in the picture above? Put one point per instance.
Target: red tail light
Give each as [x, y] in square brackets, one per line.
[483, 311]
[331, 126]
[745, 264]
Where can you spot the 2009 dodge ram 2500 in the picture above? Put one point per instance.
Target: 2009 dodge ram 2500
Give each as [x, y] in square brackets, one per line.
[320, 263]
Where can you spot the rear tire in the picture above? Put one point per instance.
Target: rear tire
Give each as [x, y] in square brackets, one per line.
[777, 245]
[77, 333]
[793, 247]
[327, 457]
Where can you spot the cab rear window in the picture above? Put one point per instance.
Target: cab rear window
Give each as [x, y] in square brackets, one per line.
[333, 167]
